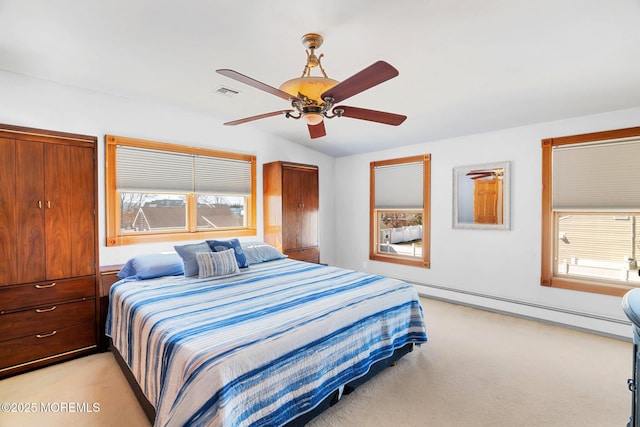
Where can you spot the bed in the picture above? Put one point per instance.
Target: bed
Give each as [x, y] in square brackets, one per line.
[268, 345]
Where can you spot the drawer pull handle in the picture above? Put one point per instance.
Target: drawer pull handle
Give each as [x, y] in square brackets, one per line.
[46, 286]
[45, 310]
[50, 334]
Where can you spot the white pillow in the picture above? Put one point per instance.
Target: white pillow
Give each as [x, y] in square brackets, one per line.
[221, 263]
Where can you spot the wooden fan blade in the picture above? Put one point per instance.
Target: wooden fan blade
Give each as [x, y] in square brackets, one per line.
[369, 77]
[258, 117]
[371, 115]
[256, 84]
[317, 131]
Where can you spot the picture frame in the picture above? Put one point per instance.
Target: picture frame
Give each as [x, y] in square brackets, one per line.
[481, 196]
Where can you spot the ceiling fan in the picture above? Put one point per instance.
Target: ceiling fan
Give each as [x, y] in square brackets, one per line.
[313, 98]
[485, 173]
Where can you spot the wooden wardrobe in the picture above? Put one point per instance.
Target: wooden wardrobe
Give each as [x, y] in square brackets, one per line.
[291, 209]
[48, 247]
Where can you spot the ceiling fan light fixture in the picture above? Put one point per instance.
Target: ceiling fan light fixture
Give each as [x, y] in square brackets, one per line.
[311, 87]
[313, 119]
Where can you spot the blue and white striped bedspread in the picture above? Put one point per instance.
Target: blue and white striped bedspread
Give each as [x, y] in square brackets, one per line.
[261, 347]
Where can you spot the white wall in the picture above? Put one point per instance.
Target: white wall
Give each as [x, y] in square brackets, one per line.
[466, 264]
[41, 104]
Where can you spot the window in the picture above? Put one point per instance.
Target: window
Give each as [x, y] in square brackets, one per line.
[591, 211]
[160, 192]
[399, 224]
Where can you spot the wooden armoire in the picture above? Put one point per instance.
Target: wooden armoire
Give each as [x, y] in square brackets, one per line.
[291, 209]
[48, 247]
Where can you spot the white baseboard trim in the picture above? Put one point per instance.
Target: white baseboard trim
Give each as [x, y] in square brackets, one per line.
[587, 322]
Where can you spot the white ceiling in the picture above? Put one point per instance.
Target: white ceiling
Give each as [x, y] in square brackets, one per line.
[466, 66]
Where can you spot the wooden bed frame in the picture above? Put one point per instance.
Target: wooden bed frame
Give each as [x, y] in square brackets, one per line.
[302, 419]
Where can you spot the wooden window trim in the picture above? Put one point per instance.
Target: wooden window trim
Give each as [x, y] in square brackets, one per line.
[426, 215]
[112, 205]
[547, 278]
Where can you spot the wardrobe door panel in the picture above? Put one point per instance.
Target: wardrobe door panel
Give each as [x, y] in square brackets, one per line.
[83, 258]
[291, 208]
[272, 199]
[8, 225]
[300, 207]
[308, 236]
[58, 211]
[30, 250]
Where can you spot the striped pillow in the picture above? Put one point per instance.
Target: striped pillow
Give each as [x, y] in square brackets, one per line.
[212, 264]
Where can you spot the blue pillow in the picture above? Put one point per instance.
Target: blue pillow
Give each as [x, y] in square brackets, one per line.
[188, 255]
[257, 252]
[223, 245]
[148, 266]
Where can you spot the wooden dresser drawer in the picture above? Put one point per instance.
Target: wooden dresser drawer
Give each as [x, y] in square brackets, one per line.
[49, 343]
[43, 293]
[306, 254]
[46, 318]
[108, 276]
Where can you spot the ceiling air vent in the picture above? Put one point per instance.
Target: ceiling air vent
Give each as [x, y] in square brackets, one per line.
[227, 91]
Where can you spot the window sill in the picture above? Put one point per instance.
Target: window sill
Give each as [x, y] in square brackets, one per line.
[400, 260]
[595, 287]
[178, 236]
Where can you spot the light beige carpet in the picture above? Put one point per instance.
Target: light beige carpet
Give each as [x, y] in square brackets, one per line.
[478, 369]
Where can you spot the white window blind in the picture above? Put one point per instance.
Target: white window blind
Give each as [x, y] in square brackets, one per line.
[222, 176]
[399, 186]
[141, 169]
[599, 176]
